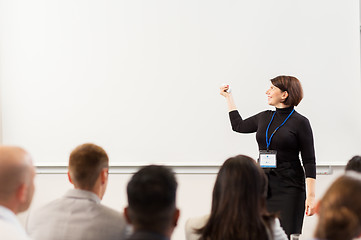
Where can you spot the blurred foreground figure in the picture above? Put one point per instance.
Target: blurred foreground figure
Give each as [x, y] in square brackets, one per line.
[340, 209]
[16, 190]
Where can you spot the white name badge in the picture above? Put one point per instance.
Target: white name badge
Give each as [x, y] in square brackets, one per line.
[267, 159]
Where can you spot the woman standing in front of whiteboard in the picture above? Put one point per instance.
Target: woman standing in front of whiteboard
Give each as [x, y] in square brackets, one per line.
[281, 135]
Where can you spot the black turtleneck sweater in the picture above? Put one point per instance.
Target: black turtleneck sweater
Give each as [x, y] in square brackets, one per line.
[293, 137]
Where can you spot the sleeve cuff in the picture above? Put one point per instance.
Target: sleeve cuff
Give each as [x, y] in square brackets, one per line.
[310, 170]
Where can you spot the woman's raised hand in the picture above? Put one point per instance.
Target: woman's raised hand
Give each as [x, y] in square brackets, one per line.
[223, 90]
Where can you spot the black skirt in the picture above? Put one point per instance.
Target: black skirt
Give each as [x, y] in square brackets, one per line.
[287, 200]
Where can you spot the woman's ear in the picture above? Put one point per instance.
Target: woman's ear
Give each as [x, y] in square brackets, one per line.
[284, 95]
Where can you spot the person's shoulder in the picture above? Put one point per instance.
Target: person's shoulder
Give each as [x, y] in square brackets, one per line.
[110, 219]
[109, 211]
[47, 208]
[277, 230]
[111, 215]
[299, 115]
[301, 119]
[276, 222]
[194, 223]
[9, 231]
[197, 222]
[6, 226]
[41, 215]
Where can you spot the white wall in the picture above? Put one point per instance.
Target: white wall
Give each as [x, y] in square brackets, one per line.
[141, 77]
[194, 194]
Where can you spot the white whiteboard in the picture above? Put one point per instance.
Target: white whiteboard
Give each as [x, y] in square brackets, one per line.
[141, 78]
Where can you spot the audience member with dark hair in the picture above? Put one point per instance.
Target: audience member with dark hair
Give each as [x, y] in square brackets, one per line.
[238, 206]
[340, 209]
[78, 215]
[151, 203]
[16, 190]
[354, 164]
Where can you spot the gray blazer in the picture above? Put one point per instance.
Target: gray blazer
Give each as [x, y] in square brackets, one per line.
[78, 215]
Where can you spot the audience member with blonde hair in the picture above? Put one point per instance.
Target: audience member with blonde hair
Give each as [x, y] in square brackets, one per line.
[238, 206]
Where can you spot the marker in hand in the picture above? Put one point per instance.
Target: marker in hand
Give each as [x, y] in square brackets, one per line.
[227, 85]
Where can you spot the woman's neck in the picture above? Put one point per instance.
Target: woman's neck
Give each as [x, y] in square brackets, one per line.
[281, 105]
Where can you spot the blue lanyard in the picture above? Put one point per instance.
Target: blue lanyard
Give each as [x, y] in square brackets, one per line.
[268, 141]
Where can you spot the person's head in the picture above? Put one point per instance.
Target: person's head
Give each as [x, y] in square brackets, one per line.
[16, 178]
[238, 202]
[151, 200]
[354, 164]
[88, 168]
[284, 91]
[339, 209]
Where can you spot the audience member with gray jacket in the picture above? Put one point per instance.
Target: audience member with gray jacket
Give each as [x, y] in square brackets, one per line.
[79, 215]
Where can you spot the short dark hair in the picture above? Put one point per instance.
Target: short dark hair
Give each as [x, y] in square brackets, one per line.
[354, 164]
[292, 85]
[151, 198]
[85, 164]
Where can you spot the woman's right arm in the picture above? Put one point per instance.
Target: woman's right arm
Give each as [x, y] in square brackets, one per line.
[248, 125]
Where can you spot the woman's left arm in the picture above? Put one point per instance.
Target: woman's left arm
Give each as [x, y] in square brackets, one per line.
[309, 164]
[310, 197]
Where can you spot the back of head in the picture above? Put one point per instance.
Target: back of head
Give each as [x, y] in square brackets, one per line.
[85, 164]
[16, 174]
[354, 164]
[238, 204]
[340, 209]
[151, 199]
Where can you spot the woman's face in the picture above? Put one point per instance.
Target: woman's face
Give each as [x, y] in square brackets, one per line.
[275, 96]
